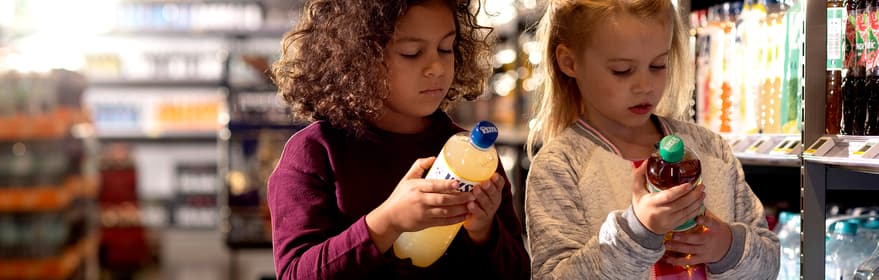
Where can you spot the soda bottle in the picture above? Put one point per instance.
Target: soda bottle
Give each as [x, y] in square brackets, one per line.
[836, 24]
[674, 164]
[467, 157]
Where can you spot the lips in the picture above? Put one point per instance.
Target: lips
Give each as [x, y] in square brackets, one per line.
[641, 109]
[434, 91]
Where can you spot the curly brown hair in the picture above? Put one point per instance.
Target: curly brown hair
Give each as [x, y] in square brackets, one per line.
[332, 64]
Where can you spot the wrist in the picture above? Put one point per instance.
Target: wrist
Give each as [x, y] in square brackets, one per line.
[382, 232]
[480, 237]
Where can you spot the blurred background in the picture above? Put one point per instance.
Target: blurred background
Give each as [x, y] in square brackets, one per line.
[136, 136]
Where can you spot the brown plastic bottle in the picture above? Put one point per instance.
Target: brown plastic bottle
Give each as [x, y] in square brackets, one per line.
[671, 165]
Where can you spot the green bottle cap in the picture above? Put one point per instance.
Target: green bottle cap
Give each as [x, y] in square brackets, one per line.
[671, 148]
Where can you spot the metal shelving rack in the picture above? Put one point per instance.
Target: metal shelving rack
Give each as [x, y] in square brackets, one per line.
[835, 171]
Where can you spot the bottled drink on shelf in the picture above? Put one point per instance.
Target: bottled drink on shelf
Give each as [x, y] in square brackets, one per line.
[836, 44]
[674, 164]
[467, 157]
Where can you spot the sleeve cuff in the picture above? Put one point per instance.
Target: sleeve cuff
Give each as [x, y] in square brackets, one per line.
[643, 236]
[736, 250]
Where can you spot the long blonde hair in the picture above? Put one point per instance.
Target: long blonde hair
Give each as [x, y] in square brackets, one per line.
[570, 22]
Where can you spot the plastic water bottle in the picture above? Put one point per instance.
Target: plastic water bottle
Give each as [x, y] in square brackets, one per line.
[469, 158]
[869, 269]
[789, 238]
[842, 254]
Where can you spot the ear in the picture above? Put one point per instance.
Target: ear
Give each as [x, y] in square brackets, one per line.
[565, 58]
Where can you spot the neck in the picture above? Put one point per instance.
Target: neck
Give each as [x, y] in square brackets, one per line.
[402, 125]
[633, 142]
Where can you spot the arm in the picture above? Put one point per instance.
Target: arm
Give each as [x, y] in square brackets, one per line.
[754, 252]
[308, 238]
[562, 245]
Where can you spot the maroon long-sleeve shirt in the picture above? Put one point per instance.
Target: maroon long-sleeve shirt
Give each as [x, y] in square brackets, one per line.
[325, 183]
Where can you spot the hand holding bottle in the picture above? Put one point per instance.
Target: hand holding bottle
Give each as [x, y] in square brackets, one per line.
[664, 211]
[482, 210]
[417, 204]
[704, 247]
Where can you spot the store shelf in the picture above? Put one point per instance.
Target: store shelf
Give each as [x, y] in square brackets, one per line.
[259, 126]
[272, 32]
[194, 136]
[60, 267]
[53, 125]
[47, 198]
[769, 160]
[842, 154]
[766, 149]
[155, 83]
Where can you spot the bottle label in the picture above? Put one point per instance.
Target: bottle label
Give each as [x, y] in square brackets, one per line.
[441, 170]
[835, 37]
[689, 223]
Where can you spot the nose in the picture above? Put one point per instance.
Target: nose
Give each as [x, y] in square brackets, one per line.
[434, 68]
[643, 83]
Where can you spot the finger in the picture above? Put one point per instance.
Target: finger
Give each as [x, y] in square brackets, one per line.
[492, 193]
[476, 210]
[498, 181]
[689, 197]
[639, 187]
[447, 199]
[690, 212]
[681, 247]
[435, 185]
[694, 239]
[676, 192]
[447, 212]
[418, 168]
[708, 220]
[481, 194]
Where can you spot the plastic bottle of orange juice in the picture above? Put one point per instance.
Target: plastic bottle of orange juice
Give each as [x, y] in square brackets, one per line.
[468, 157]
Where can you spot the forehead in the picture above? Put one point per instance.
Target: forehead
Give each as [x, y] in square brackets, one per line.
[628, 36]
[426, 16]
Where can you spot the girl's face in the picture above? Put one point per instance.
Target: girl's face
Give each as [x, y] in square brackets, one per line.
[421, 63]
[621, 71]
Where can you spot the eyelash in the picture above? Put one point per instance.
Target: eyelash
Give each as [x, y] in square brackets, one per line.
[629, 71]
[441, 51]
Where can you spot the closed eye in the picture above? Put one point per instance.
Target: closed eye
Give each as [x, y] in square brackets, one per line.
[621, 72]
[411, 55]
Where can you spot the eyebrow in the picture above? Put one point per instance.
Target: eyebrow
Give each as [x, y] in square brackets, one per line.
[420, 40]
[632, 60]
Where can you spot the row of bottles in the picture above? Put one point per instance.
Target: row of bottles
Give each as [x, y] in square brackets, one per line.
[156, 112]
[749, 59]
[851, 248]
[852, 78]
[788, 231]
[189, 16]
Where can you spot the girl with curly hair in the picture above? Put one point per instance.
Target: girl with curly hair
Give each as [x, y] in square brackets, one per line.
[374, 76]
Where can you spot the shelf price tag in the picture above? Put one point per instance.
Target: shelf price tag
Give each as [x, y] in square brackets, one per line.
[788, 146]
[762, 146]
[820, 147]
[868, 150]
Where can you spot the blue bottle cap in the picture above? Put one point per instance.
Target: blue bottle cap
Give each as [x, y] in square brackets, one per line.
[846, 227]
[483, 134]
[871, 223]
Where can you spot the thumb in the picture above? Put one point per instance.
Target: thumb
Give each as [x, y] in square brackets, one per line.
[418, 168]
[639, 186]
